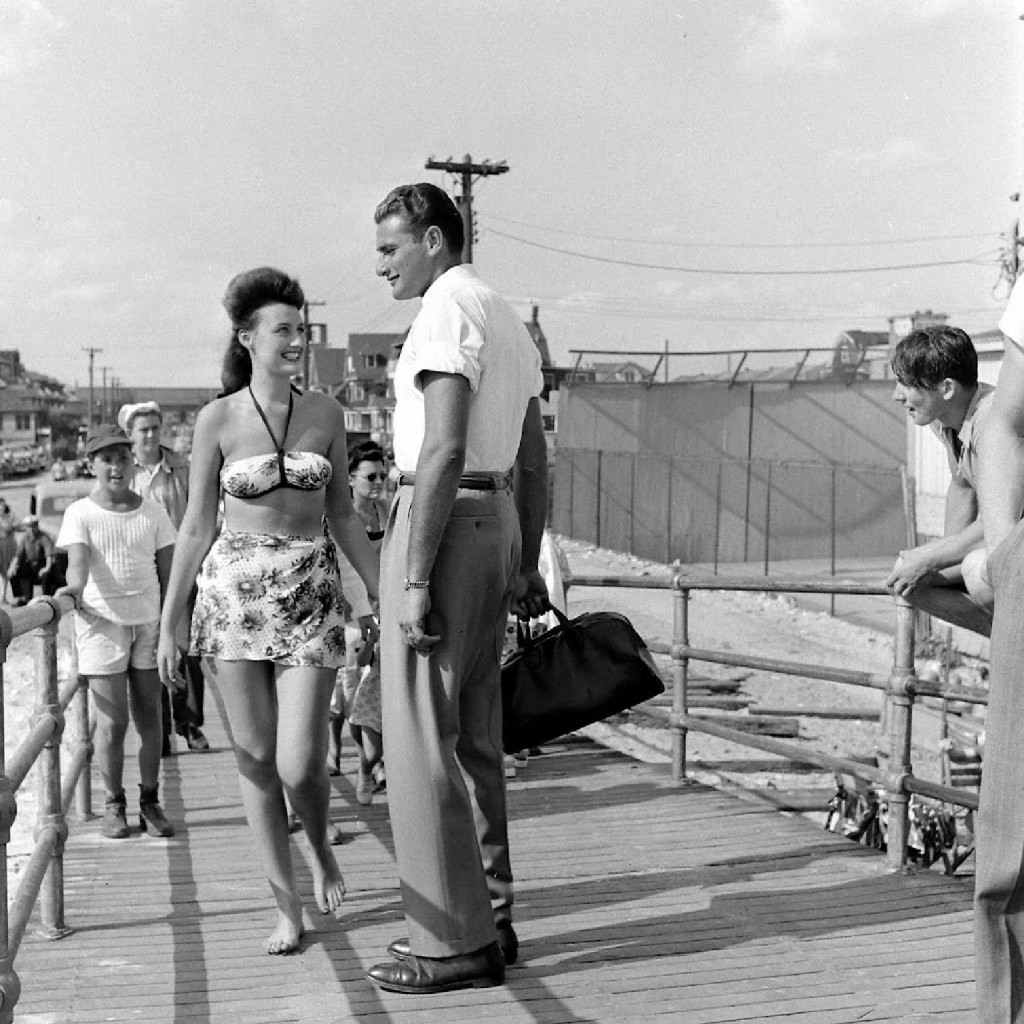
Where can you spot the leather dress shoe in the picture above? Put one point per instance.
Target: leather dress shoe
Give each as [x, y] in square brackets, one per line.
[508, 943]
[426, 975]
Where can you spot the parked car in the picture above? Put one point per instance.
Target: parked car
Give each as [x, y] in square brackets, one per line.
[48, 502]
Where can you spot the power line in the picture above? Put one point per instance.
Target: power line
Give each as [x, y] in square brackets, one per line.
[740, 245]
[726, 271]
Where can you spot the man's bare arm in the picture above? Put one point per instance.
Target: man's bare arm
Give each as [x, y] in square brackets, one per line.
[531, 494]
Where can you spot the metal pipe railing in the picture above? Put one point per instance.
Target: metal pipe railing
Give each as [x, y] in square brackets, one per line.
[900, 685]
[43, 878]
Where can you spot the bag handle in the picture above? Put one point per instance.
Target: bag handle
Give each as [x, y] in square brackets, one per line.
[525, 636]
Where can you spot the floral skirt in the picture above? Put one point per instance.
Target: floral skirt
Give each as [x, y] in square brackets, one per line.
[266, 597]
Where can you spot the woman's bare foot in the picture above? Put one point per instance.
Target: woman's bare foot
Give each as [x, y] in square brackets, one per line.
[286, 935]
[328, 885]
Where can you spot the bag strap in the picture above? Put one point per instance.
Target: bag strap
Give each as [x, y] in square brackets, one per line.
[525, 636]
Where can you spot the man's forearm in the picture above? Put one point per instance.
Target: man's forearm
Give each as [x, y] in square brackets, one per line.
[437, 480]
[531, 486]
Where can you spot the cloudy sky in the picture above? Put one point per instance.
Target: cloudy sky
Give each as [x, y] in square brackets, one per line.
[706, 174]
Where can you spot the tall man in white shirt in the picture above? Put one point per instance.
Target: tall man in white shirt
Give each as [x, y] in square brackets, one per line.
[462, 542]
[999, 876]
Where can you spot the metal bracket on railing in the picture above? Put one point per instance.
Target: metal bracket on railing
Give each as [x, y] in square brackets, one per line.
[56, 824]
[56, 714]
[8, 809]
[10, 990]
[6, 634]
[54, 624]
[896, 782]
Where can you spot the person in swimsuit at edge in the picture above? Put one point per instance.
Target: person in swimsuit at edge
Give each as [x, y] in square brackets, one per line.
[269, 618]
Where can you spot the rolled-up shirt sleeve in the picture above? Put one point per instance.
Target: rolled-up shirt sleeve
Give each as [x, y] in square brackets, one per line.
[448, 339]
[1012, 321]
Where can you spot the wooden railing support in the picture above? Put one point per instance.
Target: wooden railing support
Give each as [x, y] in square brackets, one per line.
[51, 809]
[901, 705]
[680, 679]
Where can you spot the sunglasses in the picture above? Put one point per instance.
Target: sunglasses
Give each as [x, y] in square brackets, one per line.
[372, 477]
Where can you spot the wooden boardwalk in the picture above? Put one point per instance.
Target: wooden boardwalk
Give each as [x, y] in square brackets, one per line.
[637, 901]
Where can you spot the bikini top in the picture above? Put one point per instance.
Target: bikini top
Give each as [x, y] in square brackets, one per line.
[257, 475]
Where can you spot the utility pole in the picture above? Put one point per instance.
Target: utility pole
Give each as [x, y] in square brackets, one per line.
[307, 336]
[103, 403]
[466, 169]
[92, 358]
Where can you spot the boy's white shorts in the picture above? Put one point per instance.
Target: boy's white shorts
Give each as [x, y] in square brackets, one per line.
[106, 648]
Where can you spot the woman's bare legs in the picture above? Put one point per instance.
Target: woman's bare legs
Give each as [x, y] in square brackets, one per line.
[277, 722]
[246, 693]
[303, 699]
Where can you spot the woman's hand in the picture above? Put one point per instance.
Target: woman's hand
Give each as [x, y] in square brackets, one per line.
[168, 658]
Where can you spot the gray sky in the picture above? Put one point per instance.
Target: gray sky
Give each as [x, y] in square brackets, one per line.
[152, 149]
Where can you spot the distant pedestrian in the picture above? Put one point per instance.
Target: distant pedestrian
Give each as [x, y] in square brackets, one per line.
[162, 474]
[34, 563]
[119, 547]
[8, 545]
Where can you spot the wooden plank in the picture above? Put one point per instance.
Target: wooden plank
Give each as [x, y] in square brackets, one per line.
[833, 711]
[761, 725]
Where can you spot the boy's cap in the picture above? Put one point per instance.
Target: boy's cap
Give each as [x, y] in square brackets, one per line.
[106, 435]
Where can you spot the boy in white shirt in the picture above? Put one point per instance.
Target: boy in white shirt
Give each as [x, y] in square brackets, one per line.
[119, 548]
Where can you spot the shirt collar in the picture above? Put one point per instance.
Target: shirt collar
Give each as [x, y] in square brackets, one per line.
[967, 428]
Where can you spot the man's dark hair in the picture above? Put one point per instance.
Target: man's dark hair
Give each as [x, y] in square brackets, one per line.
[927, 356]
[422, 206]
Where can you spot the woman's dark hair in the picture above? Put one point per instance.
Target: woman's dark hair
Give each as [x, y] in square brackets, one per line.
[364, 451]
[4, 507]
[247, 294]
[423, 206]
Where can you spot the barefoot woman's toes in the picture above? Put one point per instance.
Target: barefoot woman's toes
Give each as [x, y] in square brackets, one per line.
[284, 938]
[328, 885]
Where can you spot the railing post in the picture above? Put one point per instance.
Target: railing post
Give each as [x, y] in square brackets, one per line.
[51, 811]
[10, 984]
[680, 676]
[901, 702]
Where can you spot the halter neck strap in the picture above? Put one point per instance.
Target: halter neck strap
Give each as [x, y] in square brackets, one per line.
[284, 437]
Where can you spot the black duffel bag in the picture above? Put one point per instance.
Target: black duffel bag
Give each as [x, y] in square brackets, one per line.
[583, 670]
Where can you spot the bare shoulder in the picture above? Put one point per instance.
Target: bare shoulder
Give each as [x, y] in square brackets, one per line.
[326, 409]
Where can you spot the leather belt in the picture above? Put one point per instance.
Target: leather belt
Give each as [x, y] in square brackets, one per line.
[470, 481]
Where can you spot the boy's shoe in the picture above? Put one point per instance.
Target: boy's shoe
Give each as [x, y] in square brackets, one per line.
[115, 819]
[195, 739]
[364, 788]
[151, 814]
[380, 777]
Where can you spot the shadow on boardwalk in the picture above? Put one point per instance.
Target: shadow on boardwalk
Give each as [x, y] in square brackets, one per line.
[637, 901]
